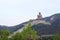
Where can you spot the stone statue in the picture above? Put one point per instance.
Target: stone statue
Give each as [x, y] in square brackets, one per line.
[39, 17]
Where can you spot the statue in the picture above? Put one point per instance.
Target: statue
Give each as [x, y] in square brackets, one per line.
[39, 17]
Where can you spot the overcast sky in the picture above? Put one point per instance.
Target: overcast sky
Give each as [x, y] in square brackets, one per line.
[13, 12]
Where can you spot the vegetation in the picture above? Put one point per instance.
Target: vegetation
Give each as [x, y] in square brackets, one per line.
[56, 37]
[17, 36]
[26, 34]
[4, 34]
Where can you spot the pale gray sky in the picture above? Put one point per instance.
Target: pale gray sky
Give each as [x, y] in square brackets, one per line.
[13, 12]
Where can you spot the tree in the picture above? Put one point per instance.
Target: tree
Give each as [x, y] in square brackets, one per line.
[17, 36]
[29, 33]
[4, 34]
[56, 37]
[26, 34]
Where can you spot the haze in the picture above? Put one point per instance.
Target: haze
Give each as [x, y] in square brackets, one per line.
[14, 12]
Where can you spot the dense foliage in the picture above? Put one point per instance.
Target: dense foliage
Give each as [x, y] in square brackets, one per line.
[4, 34]
[26, 34]
[56, 37]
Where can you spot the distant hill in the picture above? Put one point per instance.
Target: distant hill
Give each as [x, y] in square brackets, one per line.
[54, 28]
[41, 28]
[11, 29]
[52, 18]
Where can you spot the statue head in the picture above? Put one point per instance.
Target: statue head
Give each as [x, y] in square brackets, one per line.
[39, 13]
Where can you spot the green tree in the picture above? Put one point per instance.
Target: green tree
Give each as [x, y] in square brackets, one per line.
[56, 37]
[4, 34]
[26, 34]
[17, 36]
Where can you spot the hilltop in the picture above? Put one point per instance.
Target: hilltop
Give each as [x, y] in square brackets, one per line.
[49, 25]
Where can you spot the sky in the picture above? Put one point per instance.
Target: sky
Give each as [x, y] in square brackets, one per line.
[14, 12]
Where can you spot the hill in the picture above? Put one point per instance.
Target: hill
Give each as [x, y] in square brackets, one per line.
[40, 28]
